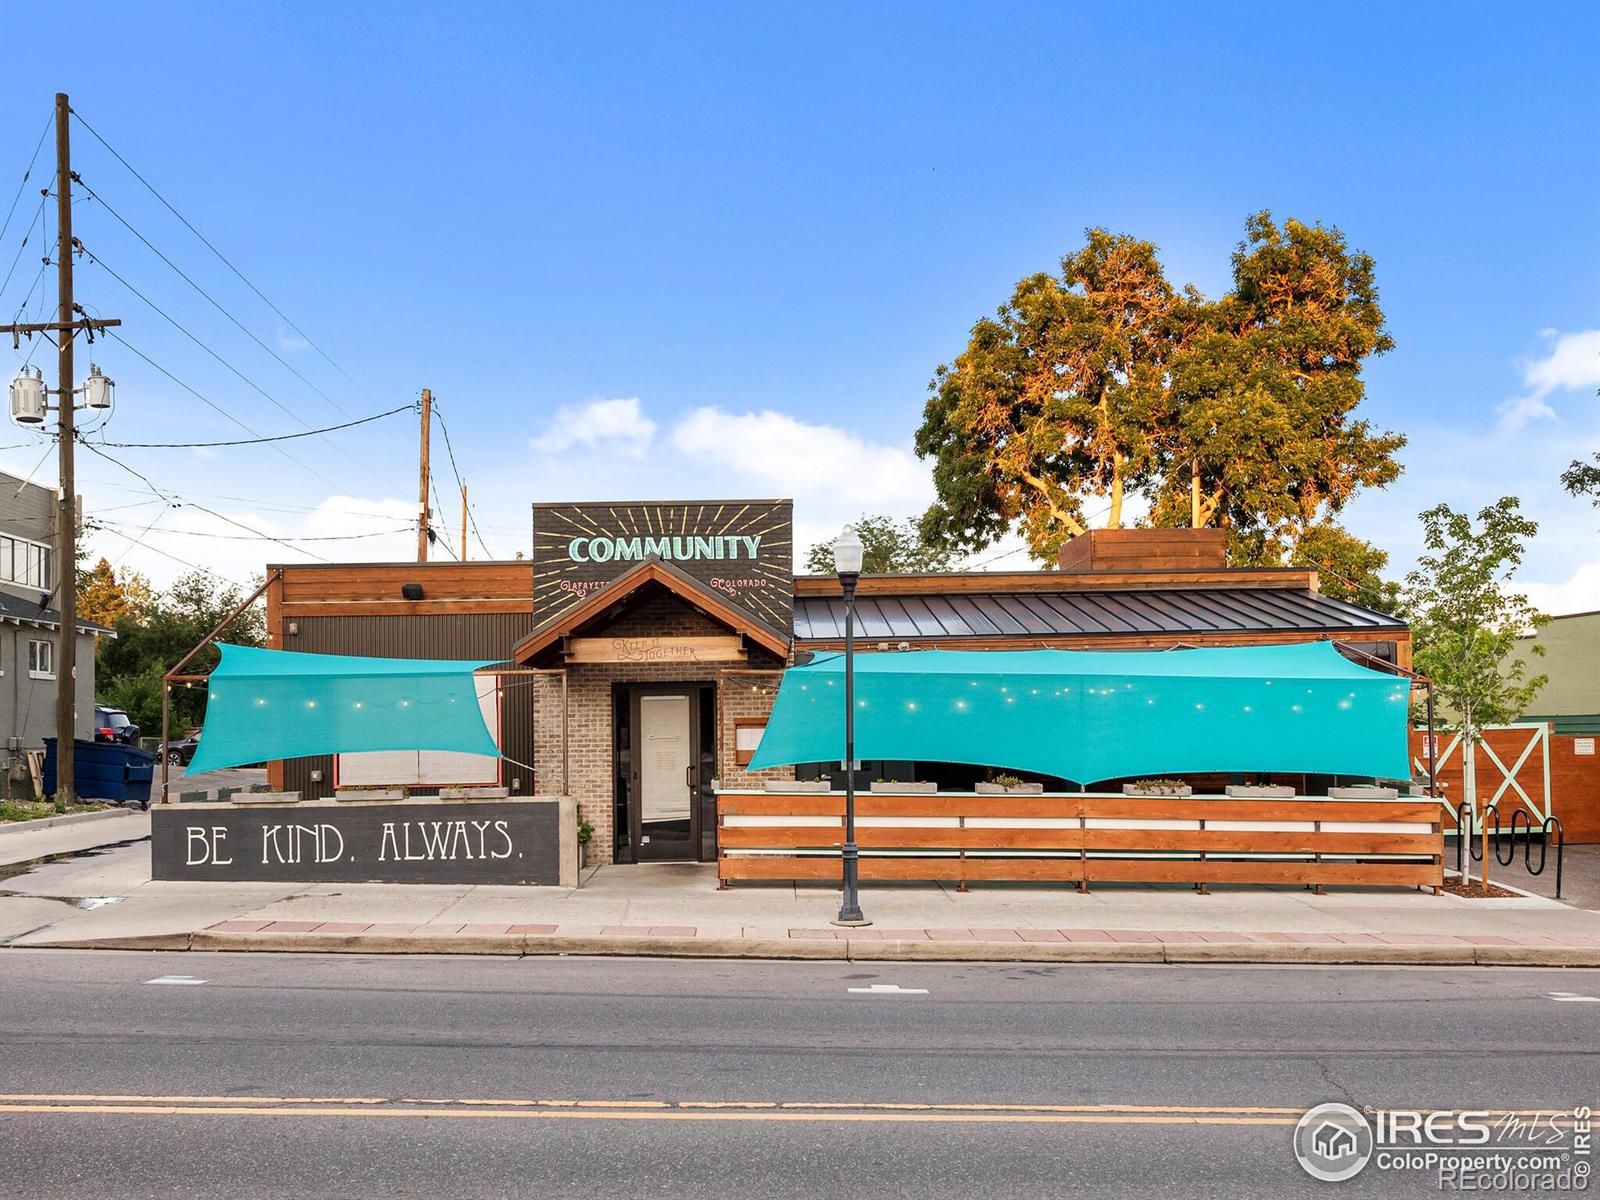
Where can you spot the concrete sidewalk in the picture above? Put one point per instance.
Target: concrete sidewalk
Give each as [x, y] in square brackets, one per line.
[107, 900]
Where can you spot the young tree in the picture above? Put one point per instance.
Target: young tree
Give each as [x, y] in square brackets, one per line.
[1465, 619]
[1583, 479]
[154, 635]
[887, 546]
[1265, 392]
[1061, 397]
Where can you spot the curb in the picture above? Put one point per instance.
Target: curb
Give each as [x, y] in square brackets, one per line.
[8, 827]
[535, 946]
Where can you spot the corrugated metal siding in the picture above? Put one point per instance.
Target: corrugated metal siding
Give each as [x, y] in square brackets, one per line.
[1064, 614]
[470, 635]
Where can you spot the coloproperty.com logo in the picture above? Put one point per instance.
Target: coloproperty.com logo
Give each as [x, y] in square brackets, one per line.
[1468, 1150]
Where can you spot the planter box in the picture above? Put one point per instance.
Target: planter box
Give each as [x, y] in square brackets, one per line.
[999, 789]
[1365, 792]
[805, 787]
[474, 793]
[1129, 789]
[358, 794]
[253, 797]
[912, 789]
[1260, 791]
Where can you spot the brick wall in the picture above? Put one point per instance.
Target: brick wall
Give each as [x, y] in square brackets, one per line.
[590, 746]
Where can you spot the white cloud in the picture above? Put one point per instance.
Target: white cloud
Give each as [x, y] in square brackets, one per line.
[617, 425]
[1571, 364]
[829, 467]
[1580, 593]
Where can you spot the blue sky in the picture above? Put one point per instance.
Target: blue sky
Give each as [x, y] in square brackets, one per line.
[664, 251]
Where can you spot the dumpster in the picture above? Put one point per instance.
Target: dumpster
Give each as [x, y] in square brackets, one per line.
[105, 771]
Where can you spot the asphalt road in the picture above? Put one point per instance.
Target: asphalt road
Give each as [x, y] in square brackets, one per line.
[414, 1076]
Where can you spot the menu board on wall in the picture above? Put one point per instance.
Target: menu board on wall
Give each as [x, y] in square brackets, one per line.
[740, 550]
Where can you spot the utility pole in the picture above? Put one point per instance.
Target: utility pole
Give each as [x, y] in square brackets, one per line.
[463, 522]
[422, 488]
[1194, 493]
[69, 321]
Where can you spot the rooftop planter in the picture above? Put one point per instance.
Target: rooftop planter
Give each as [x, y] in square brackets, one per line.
[1157, 787]
[255, 797]
[805, 787]
[904, 789]
[1363, 792]
[1007, 785]
[474, 793]
[369, 793]
[1260, 791]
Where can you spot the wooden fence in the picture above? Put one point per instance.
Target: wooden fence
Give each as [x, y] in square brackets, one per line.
[1081, 839]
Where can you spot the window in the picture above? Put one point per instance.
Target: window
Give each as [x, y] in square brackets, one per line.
[41, 660]
[26, 563]
[746, 737]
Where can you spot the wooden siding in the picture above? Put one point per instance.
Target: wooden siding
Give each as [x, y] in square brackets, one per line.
[373, 589]
[1067, 838]
[1060, 581]
[1146, 550]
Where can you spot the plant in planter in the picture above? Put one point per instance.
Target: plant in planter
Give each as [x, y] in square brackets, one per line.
[585, 836]
[796, 786]
[903, 787]
[1157, 787]
[371, 792]
[1260, 791]
[1007, 785]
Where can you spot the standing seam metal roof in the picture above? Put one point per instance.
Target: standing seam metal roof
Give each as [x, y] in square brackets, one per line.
[1026, 615]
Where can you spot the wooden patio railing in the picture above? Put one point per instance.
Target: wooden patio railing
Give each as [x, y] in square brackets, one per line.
[1084, 838]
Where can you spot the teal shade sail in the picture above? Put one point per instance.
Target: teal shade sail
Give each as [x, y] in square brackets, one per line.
[1092, 715]
[267, 704]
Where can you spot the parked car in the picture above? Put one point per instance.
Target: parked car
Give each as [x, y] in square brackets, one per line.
[113, 725]
[180, 751]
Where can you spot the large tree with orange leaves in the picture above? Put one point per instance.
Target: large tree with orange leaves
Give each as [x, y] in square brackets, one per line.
[1105, 380]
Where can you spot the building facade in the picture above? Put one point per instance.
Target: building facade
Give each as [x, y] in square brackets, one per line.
[30, 626]
[641, 645]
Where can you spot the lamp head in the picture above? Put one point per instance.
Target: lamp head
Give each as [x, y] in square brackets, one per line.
[847, 552]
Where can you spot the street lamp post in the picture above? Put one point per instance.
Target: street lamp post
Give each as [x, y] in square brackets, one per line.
[847, 552]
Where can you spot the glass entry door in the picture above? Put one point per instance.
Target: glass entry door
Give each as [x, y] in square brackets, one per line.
[666, 767]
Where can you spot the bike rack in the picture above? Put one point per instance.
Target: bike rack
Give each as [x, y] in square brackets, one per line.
[1520, 820]
[1549, 822]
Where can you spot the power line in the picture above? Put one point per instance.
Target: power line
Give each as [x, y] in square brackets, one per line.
[222, 257]
[282, 437]
[17, 257]
[217, 408]
[210, 298]
[342, 537]
[250, 382]
[182, 562]
[173, 498]
[451, 451]
[439, 534]
[271, 505]
[38, 146]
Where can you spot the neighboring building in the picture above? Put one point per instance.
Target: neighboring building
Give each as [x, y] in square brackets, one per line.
[1570, 700]
[29, 625]
[646, 642]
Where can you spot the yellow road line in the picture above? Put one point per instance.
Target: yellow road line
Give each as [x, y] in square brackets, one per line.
[655, 1114]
